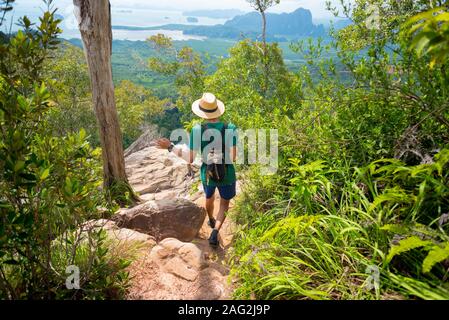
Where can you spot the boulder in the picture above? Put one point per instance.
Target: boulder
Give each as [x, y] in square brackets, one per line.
[144, 141]
[101, 223]
[177, 218]
[158, 174]
[120, 235]
[123, 234]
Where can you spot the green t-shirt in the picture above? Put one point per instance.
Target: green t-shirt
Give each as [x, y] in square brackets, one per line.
[196, 136]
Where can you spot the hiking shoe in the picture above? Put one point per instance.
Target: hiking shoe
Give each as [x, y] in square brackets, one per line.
[213, 239]
[211, 223]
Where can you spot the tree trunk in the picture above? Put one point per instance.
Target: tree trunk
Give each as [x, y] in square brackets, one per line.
[265, 53]
[94, 19]
[264, 31]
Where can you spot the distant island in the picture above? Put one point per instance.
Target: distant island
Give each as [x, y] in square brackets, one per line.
[280, 27]
[215, 14]
[192, 20]
[296, 24]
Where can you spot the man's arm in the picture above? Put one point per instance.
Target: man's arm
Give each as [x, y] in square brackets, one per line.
[234, 153]
[188, 156]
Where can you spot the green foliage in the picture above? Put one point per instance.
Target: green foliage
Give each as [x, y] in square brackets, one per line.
[436, 255]
[363, 174]
[69, 85]
[308, 180]
[239, 81]
[185, 65]
[332, 232]
[130, 60]
[102, 272]
[363, 169]
[49, 185]
[388, 73]
[418, 288]
[431, 34]
[436, 252]
[263, 5]
[407, 245]
[303, 257]
[137, 109]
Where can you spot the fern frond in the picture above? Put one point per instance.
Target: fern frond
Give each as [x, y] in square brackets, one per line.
[436, 255]
[407, 245]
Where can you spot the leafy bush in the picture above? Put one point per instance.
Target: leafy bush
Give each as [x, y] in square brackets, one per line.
[67, 77]
[69, 85]
[320, 244]
[49, 186]
[362, 179]
[137, 109]
[102, 274]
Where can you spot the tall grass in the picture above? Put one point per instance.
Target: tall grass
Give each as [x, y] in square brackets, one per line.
[335, 228]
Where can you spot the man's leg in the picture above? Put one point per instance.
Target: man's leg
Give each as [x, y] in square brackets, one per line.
[210, 207]
[224, 207]
[210, 199]
[226, 193]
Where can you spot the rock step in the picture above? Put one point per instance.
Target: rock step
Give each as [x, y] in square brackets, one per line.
[152, 171]
[177, 270]
[176, 218]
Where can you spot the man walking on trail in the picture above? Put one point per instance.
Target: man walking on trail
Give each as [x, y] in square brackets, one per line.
[216, 141]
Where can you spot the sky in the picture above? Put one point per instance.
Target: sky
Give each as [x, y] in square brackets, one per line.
[316, 6]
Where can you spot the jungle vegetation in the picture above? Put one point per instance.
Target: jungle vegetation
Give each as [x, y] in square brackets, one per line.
[358, 208]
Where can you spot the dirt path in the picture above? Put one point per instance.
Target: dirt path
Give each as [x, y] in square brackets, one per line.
[225, 237]
[209, 281]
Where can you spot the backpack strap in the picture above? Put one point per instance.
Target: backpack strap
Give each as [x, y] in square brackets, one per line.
[204, 127]
[223, 142]
[223, 138]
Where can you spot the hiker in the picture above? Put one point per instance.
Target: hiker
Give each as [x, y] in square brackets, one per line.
[216, 141]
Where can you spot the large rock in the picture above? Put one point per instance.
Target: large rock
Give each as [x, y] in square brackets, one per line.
[158, 174]
[144, 141]
[178, 218]
[117, 234]
[177, 270]
[184, 260]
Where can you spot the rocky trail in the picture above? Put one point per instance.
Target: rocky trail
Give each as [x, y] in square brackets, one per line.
[184, 270]
[167, 233]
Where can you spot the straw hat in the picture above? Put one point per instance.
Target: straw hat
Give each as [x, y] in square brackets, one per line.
[208, 107]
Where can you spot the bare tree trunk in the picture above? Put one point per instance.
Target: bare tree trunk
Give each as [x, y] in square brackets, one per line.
[94, 19]
[265, 53]
[264, 31]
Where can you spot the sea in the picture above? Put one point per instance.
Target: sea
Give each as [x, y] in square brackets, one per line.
[121, 16]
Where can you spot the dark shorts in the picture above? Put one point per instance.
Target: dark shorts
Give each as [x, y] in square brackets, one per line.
[226, 192]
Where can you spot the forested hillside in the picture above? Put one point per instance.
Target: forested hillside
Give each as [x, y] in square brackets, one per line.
[358, 207]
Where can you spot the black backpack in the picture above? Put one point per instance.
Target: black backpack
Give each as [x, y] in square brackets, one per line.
[215, 159]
